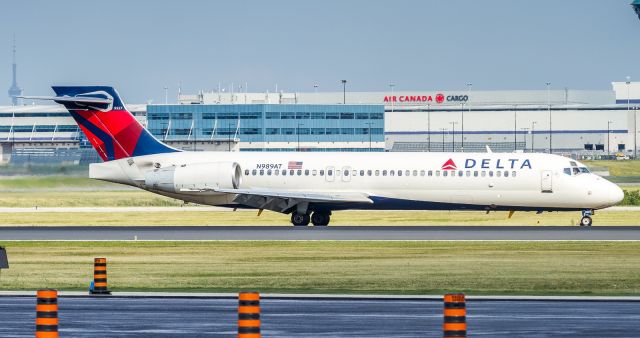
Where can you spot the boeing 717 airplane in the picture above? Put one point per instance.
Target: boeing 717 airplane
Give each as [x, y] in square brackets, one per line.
[309, 186]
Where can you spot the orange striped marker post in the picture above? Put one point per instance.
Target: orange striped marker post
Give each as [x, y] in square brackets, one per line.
[249, 315]
[100, 277]
[47, 314]
[455, 315]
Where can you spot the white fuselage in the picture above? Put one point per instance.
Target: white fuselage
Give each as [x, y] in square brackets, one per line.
[491, 181]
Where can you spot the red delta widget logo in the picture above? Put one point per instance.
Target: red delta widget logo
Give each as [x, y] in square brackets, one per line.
[439, 98]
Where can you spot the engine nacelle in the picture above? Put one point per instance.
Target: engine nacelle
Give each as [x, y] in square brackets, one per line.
[204, 177]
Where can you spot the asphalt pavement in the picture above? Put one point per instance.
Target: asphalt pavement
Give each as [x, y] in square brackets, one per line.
[216, 317]
[450, 233]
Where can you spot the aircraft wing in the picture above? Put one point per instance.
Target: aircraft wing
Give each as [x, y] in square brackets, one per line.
[284, 200]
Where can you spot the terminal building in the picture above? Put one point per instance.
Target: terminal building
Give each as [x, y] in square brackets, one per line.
[571, 122]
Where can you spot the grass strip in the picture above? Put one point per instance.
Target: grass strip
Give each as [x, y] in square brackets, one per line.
[338, 218]
[496, 268]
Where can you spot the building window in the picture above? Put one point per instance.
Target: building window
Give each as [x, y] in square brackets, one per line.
[332, 116]
[346, 116]
[333, 131]
[272, 131]
[288, 131]
[288, 116]
[376, 116]
[272, 115]
[362, 116]
[317, 131]
[346, 131]
[302, 116]
[208, 116]
[317, 116]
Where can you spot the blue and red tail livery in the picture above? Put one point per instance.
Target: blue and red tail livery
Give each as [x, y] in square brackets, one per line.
[112, 130]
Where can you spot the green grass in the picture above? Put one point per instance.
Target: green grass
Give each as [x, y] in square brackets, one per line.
[127, 198]
[190, 217]
[61, 183]
[379, 267]
[618, 168]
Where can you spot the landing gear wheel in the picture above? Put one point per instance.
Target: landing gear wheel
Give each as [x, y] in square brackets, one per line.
[300, 219]
[320, 218]
[586, 221]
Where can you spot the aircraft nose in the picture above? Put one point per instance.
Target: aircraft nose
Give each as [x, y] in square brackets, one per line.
[615, 194]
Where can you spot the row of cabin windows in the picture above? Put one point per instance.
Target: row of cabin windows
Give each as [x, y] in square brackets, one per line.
[430, 173]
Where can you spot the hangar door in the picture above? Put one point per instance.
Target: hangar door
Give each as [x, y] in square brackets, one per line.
[546, 184]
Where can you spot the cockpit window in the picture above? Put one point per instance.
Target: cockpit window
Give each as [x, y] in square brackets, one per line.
[573, 164]
[567, 171]
[584, 170]
[576, 171]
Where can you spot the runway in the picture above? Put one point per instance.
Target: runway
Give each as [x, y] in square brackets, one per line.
[449, 233]
[216, 317]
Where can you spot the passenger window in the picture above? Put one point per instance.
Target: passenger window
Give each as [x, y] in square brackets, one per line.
[468, 173]
[284, 172]
[422, 173]
[430, 173]
[338, 173]
[269, 172]
[261, 172]
[399, 172]
[498, 173]
[484, 173]
[475, 173]
[384, 173]
[314, 172]
[291, 172]
[438, 173]
[306, 172]
[254, 172]
[392, 172]
[415, 173]
[513, 173]
[354, 173]
[361, 172]
[368, 172]
[276, 172]
[246, 172]
[408, 173]
[506, 174]
[346, 173]
[329, 172]
[377, 172]
[321, 172]
[490, 173]
[299, 172]
[445, 173]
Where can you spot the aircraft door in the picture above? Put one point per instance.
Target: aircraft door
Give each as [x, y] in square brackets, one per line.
[547, 181]
[330, 174]
[346, 174]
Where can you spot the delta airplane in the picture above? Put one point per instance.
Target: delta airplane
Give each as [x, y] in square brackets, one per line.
[309, 186]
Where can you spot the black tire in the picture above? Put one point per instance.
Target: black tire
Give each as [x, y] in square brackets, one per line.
[320, 218]
[586, 221]
[300, 219]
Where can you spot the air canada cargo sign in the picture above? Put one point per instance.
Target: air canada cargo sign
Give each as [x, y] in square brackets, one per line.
[438, 98]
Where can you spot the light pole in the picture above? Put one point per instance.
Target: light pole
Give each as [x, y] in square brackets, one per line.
[608, 136]
[369, 124]
[298, 132]
[549, 105]
[469, 84]
[344, 91]
[533, 128]
[453, 136]
[166, 95]
[524, 137]
[229, 135]
[515, 128]
[391, 85]
[443, 130]
[635, 144]
[429, 126]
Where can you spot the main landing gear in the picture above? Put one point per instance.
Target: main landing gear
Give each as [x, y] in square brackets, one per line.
[318, 218]
[586, 220]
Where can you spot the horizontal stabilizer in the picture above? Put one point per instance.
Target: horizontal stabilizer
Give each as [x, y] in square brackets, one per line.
[77, 99]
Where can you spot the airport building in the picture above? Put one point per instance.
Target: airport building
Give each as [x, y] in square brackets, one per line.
[567, 121]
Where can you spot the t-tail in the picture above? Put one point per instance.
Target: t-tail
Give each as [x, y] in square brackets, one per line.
[112, 130]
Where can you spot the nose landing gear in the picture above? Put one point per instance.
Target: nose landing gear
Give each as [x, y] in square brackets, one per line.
[586, 220]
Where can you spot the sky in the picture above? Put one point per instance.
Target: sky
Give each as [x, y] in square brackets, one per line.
[142, 46]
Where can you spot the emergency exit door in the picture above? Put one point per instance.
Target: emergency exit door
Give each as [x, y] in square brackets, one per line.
[547, 181]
